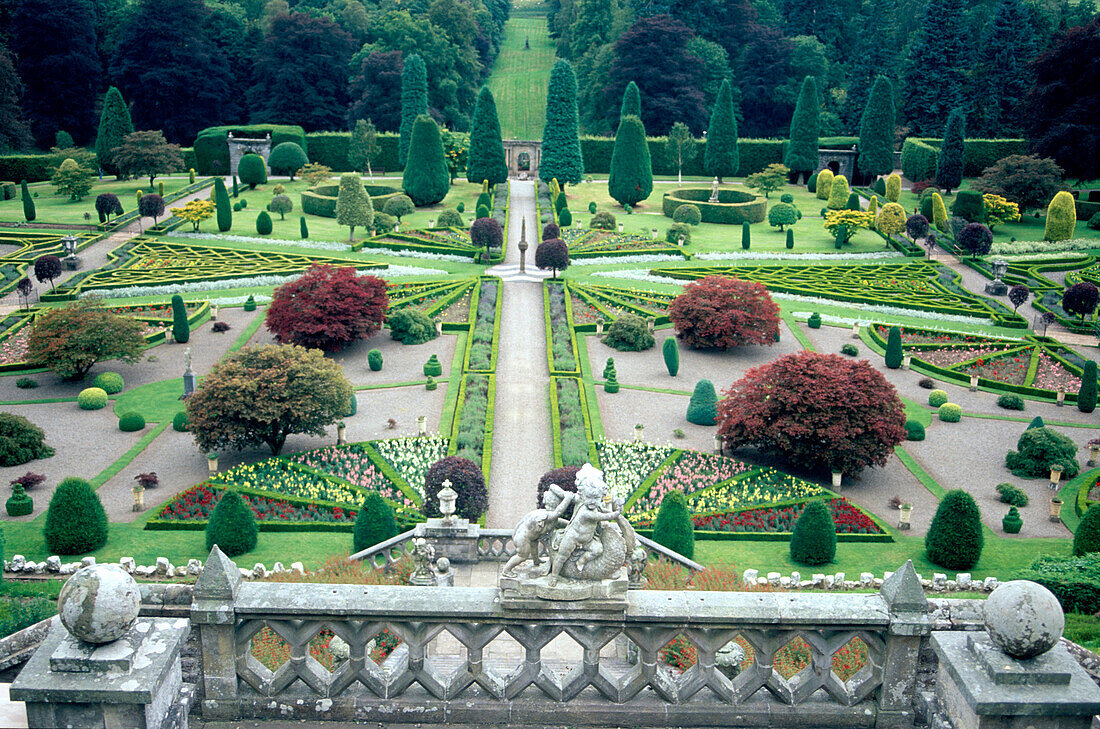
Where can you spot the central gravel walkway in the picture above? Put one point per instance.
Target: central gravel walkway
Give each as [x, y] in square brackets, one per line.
[522, 435]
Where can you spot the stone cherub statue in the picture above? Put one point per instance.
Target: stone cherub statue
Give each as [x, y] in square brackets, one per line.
[538, 524]
[592, 509]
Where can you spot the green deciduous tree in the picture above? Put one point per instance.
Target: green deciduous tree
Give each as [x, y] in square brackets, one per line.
[363, 147]
[722, 156]
[147, 154]
[73, 180]
[681, 148]
[768, 180]
[426, 180]
[353, 204]
[561, 147]
[813, 540]
[114, 125]
[486, 149]
[260, 395]
[949, 164]
[69, 340]
[876, 130]
[414, 101]
[631, 177]
[802, 154]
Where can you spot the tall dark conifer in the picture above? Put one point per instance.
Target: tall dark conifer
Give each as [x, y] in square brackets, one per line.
[114, 124]
[802, 153]
[486, 149]
[632, 101]
[949, 165]
[14, 131]
[414, 101]
[631, 178]
[55, 45]
[1001, 77]
[722, 156]
[561, 145]
[876, 130]
[935, 77]
[876, 55]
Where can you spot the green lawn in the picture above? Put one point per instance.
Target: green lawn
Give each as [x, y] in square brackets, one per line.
[520, 76]
[53, 208]
[244, 221]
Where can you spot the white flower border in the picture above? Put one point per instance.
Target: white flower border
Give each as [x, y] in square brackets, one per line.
[324, 246]
[750, 256]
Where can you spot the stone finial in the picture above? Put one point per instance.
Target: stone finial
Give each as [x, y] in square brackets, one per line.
[220, 578]
[1023, 619]
[902, 591]
[99, 603]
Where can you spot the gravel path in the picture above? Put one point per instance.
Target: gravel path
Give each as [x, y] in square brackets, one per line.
[522, 442]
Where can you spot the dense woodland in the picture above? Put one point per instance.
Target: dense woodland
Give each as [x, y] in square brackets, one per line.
[1015, 67]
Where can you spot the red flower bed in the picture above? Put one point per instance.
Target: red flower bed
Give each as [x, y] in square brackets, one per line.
[847, 517]
[197, 503]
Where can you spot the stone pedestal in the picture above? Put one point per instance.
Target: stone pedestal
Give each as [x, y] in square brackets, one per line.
[72, 263]
[135, 681]
[980, 687]
[189, 382]
[457, 542]
[996, 288]
[529, 589]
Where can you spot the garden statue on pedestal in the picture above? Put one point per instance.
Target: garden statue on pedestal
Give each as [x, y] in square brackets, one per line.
[714, 191]
[589, 552]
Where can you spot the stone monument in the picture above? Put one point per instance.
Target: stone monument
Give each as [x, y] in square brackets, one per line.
[1017, 674]
[103, 666]
[590, 546]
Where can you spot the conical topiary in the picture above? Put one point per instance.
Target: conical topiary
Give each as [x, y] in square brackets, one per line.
[611, 386]
[893, 348]
[181, 330]
[702, 409]
[1011, 523]
[433, 368]
[373, 524]
[75, 520]
[232, 526]
[671, 352]
[608, 367]
[19, 504]
[813, 540]
[250, 303]
[954, 541]
[1086, 396]
[1036, 422]
[673, 528]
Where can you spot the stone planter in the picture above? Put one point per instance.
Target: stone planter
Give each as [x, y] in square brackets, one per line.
[1055, 509]
[905, 361]
[139, 498]
[973, 383]
[855, 331]
[212, 463]
[838, 477]
[638, 432]
[341, 430]
[1060, 398]
[1094, 454]
[904, 514]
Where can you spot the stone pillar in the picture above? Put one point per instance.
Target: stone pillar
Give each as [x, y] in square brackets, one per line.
[457, 541]
[1017, 673]
[213, 612]
[100, 666]
[909, 623]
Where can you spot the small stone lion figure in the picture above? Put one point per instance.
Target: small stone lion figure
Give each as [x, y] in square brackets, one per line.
[537, 524]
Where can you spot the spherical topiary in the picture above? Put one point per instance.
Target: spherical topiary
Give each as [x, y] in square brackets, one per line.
[937, 398]
[689, 214]
[914, 430]
[75, 520]
[1011, 523]
[702, 408]
[131, 423]
[374, 360]
[179, 422]
[411, 326]
[602, 220]
[373, 524]
[252, 171]
[19, 504]
[1008, 401]
[954, 541]
[450, 219]
[628, 333]
[92, 398]
[21, 440]
[109, 382]
[263, 223]
[466, 479]
[433, 367]
[1038, 449]
[673, 527]
[949, 412]
[813, 540]
[849, 349]
[232, 526]
[1087, 537]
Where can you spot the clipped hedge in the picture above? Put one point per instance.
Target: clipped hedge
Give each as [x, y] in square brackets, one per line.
[211, 145]
[321, 200]
[733, 207]
[919, 156]
[1075, 581]
[755, 154]
[29, 167]
[331, 149]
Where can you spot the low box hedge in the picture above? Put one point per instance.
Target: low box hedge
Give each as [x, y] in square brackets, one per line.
[321, 200]
[733, 207]
[1075, 581]
[211, 145]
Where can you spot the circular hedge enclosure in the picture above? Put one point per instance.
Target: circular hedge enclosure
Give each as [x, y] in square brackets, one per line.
[321, 200]
[733, 207]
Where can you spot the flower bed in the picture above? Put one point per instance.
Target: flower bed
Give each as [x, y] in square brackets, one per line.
[929, 336]
[762, 486]
[693, 471]
[583, 243]
[849, 519]
[481, 353]
[412, 457]
[628, 464]
[198, 502]
[353, 465]
[561, 350]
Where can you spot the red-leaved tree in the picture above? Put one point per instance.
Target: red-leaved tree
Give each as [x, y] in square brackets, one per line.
[327, 308]
[554, 254]
[718, 312]
[818, 410]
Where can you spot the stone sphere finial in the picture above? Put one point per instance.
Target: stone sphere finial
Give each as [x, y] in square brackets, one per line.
[99, 603]
[1023, 618]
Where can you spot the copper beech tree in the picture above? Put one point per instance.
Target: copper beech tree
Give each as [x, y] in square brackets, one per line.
[260, 395]
[718, 312]
[818, 410]
[327, 308]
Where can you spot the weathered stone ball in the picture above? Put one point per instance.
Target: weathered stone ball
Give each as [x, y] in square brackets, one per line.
[99, 603]
[1023, 618]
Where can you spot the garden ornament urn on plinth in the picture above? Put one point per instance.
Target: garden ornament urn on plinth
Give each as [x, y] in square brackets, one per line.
[589, 547]
[1017, 673]
[103, 666]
